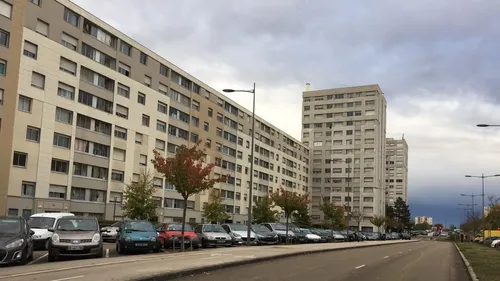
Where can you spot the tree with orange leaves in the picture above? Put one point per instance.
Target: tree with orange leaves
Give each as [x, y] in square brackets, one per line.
[289, 202]
[188, 173]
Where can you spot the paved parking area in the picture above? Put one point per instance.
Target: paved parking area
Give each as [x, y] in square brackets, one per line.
[40, 256]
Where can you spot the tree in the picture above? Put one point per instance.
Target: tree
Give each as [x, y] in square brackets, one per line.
[301, 217]
[378, 221]
[357, 215]
[262, 211]
[390, 221]
[333, 214]
[214, 210]
[493, 216]
[188, 173]
[402, 214]
[289, 202]
[139, 202]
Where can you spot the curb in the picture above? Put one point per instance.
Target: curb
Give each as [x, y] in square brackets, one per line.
[472, 274]
[202, 269]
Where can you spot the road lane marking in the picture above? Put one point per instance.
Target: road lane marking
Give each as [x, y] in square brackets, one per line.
[39, 258]
[386, 257]
[69, 278]
[358, 267]
[400, 252]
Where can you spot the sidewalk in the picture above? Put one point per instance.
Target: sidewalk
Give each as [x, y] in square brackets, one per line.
[167, 265]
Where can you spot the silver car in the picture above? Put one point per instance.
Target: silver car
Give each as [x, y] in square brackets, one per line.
[213, 235]
[239, 233]
[111, 232]
[75, 237]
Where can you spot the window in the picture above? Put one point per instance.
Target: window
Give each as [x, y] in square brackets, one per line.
[36, 2]
[160, 144]
[163, 89]
[4, 38]
[62, 140]
[59, 166]
[177, 132]
[67, 66]
[163, 70]
[210, 112]
[30, 50]
[220, 117]
[37, 80]
[141, 98]
[66, 91]
[5, 9]
[194, 137]
[144, 58]
[219, 132]
[119, 154]
[145, 120]
[121, 111]
[124, 69]
[147, 80]
[97, 79]
[205, 126]
[117, 175]
[123, 90]
[143, 160]
[64, 115]
[138, 138]
[125, 48]
[179, 115]
[71, 17]
[28, 189]
[69, 41]
[98, 56]
[195, 105]
[25, 104]
[162, 108]
[20, 159]
[3, 66]
[120, 133]
[57, 191]
[1, 96]
[161, 126]
[42, 27]
[99, 33]
[195, 121]
[33, 134]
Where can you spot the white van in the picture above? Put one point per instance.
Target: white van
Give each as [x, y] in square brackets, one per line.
[40, 223]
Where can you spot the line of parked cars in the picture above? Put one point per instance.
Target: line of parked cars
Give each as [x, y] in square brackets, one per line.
[66, 235]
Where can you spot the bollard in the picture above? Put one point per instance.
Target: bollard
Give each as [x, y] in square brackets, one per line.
[173, 244]
[107, 253]
[191, 242]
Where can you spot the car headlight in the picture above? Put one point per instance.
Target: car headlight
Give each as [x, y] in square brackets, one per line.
[228, 237]
[55, 238]
[16, 244]
[210, 237]
[236, 235]
[128, 238]
[96, 238]
[153, 239]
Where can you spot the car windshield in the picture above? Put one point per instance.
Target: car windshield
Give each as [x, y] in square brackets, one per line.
[116, 224]
[41, 222]
[213, 228]
[77, 224]
[238, 227]
[280, 227]
[260, 228]
[305, 230]
[178, 227]
[143, 226]
[9, 226]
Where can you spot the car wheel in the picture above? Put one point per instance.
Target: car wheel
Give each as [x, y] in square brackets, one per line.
[100, 254]
[51, 258]
[24, 257]
[119, 249]
[156, 250]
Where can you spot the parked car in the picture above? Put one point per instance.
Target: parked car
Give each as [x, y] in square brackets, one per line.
[264, 235]
[372, 236]
[405, 236]
[170, 235]
[111, 232]
[337, 236]
[213, 235]
[309, 236]
[75, 237]
[280, 229]
[488, 240]
[137, 236]
[40, 224]
[16, 240]
[323, 233]
[239, 233]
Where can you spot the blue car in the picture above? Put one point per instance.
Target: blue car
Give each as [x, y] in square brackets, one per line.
[137, 236]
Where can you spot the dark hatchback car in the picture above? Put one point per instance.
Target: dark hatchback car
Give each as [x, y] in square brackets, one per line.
[16, 242]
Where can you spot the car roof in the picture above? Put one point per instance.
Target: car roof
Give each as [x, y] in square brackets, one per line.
[11, 218]
[52, 215]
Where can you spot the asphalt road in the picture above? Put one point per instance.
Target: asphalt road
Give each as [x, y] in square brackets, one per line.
[405, 262]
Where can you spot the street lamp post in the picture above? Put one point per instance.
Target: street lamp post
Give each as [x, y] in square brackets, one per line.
[482, 177]
[250, 195]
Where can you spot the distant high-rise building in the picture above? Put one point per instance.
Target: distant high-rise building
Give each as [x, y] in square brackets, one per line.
[346, 129]
[396, 175]
[422, 219]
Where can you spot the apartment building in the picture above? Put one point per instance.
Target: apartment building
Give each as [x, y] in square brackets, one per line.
[396, 176]
[345, 129]
[422, 219]
[83, 106]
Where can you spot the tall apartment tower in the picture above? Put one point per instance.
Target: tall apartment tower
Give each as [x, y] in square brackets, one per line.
[345, 129]
[396, 176]
[82, 106]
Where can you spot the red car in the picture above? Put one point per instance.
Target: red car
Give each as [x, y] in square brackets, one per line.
[170, 234]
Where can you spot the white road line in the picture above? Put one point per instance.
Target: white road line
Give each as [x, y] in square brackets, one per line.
[39, 258]
[386, 257]
[400, 252]
[358, 267]
[69, 278]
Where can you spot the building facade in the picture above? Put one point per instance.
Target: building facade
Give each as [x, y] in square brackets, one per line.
[83, 106]
[422, 219]
[345, 129]
[396, 177]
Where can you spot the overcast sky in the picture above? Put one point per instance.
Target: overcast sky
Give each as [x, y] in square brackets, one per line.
[437, 62]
